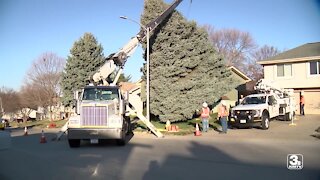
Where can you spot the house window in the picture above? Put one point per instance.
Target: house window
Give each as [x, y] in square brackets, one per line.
[314, 67]
[284, 70]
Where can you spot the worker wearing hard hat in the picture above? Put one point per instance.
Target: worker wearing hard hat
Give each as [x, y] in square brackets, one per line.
[205, 112]
[302, 102]
[223, 114]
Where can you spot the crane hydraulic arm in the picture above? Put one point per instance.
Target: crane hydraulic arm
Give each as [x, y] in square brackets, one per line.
[119, 58]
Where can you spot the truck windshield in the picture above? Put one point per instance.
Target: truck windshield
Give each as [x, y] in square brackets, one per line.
[102, 94]
[254, 100]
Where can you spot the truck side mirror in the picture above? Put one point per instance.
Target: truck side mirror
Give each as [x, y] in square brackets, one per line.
[76, 101]
[76, 95]
[121, 106]
[126, 95]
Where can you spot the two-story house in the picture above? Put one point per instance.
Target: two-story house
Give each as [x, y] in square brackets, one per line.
[299, 69]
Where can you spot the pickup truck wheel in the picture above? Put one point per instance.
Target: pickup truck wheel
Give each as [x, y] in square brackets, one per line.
[287, 117]
[74, 143]
[265, 122]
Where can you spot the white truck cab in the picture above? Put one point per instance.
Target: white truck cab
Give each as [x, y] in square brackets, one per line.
[100, 116]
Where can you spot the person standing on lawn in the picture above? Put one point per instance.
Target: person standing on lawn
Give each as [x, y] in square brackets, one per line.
[205, 112]
[223, 114]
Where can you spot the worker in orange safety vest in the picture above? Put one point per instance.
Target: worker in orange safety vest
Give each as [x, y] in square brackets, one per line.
[205, 113]
[223, 114]
[302, 102]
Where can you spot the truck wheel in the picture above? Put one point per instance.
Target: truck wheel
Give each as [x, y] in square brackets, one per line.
[122, 141]
[287, 117]
[74, 143]
[129, 127]
[265, 122]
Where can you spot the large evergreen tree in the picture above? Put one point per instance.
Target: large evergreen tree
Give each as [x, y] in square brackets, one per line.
[85, 57]
[185, 70]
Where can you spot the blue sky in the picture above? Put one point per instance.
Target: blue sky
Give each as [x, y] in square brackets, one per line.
[30, 28]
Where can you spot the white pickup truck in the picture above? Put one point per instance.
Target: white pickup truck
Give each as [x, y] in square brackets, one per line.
[259, 109]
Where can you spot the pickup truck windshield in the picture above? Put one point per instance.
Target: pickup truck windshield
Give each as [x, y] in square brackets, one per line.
[254, 100]
[102, 94]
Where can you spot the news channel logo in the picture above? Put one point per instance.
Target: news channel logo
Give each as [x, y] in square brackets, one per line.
[295, 161]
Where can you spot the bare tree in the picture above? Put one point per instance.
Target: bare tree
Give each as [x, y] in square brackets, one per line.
[255, 70]
[234, 45]
[265, 52]
[43, 78]
[29, 96]
[9, 101]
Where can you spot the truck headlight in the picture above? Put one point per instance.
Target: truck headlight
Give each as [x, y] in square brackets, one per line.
[256, 113]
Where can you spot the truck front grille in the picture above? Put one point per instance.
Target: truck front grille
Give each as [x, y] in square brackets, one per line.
[94, 115]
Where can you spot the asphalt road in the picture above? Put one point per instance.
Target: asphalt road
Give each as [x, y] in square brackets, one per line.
[240, 154]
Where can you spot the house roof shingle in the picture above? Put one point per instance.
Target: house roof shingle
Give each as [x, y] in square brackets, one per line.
[300, 53]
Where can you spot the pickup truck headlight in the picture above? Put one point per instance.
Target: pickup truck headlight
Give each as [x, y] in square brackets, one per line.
[255, 113]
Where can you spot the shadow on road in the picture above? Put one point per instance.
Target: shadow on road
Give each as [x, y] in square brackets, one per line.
[207, 162]
[28, 159]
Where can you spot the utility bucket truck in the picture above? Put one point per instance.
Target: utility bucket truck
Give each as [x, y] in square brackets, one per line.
[269, 103]
[103, 111]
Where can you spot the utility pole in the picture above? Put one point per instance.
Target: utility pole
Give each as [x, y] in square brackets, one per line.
[147, 29]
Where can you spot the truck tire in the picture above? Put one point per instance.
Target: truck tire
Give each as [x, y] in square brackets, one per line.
[74, 143]
[287, 117]
[122, 141]
[265, 122]
[129, 127]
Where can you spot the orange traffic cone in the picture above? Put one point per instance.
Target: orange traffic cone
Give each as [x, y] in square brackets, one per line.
[25, 131]
[197, 133]
[43, 138]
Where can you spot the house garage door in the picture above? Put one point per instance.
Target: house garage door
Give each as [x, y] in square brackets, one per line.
[312, 98]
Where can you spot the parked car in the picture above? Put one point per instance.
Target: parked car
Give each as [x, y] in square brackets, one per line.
[4, 123]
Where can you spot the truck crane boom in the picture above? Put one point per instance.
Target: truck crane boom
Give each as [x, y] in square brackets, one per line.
[104, 111]
[119, 58]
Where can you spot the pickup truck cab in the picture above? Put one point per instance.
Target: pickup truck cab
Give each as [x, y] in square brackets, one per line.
[255, 109]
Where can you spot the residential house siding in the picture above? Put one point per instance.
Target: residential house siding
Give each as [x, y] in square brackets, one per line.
[299, 76]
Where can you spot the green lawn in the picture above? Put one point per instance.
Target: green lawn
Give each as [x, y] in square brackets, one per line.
[38, 123]
[186, 127]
